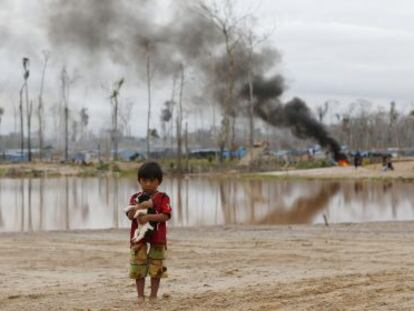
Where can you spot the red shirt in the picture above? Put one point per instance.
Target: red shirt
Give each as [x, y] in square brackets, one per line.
[161, 204]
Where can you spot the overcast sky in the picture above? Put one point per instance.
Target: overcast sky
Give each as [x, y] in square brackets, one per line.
[341, 50]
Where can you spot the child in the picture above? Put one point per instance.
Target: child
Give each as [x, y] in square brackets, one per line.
[142, 260]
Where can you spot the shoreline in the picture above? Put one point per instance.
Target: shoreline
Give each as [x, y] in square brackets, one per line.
[404, 170]
[365, 266]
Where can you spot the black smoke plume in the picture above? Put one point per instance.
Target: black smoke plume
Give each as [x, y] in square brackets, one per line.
[294, 114]
[127, 31]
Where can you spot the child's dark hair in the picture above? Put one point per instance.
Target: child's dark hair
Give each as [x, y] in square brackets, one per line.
[150, 170]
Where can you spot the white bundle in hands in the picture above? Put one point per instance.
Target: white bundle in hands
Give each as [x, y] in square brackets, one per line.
[146, 229]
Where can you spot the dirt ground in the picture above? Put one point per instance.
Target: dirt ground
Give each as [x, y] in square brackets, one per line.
[339, 267]
[402, 169]
[51, 168]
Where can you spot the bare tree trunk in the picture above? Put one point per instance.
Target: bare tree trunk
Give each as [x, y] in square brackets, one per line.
[171, 129]
[114, 136]
[21, 122]
[114, 101]
[65, 99]
[251, 108]
[116, 129]
[226, 126]
[66, 112]
[99, 153]
[40, 107]
[233, 133]
[26, 74]
[179, 123]
[1, 145]
[397, 137]
[186, 147]
[29, 110]
[149, 101]
[40, 121]
[15, 117]
[28, 117]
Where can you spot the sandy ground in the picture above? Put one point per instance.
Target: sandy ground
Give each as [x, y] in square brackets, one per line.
[340, 267]
[402, 169]
[51, 168]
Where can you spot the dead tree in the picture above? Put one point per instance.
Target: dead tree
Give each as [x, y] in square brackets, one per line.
[1, 115]
[40, 108]
[224, 19]
[15, 117]
[29, 111]
[115, 108]
[165, 117]
[393, 116]
[250, 82]
[187, 150]
[21, 121]
[322, 110]
[149, 77]
[29, 105]
[125, 113]
[84, 120]
[170, 107]
[252, 42]
[179, 122]
[65, 85]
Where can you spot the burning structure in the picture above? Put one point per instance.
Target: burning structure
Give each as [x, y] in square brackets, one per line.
[294, 114]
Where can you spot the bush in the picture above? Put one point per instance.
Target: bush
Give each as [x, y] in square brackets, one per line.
[115, 168]
[102, 166]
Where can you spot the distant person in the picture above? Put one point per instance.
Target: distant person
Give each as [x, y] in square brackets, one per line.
[144, 261]
[387, 163]
[357, 159]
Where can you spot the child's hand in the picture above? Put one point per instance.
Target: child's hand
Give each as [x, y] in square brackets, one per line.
[130, 211]
[131, 214]
[146, 204]
[142, 219]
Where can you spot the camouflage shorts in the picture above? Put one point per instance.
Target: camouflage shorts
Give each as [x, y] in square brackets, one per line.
[144, 262]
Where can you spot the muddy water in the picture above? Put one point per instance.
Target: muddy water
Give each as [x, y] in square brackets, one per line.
[92, 203]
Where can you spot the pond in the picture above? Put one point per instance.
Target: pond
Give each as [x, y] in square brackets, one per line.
[70, 203]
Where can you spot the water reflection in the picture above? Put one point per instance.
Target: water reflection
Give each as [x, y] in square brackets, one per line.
[303, 210]
[70, 203]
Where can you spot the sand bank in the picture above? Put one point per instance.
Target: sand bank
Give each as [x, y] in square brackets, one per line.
[402, 170]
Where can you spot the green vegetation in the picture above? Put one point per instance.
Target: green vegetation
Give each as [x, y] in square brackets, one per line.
[102, 166]
[115, 168]
[3, 172]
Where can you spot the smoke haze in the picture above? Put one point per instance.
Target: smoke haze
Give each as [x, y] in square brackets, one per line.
[294, 114]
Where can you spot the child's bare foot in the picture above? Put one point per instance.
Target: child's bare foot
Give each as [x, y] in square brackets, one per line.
[152, 299]
[140, 300]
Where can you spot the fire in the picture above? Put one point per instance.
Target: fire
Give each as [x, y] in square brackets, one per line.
[343, 163]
